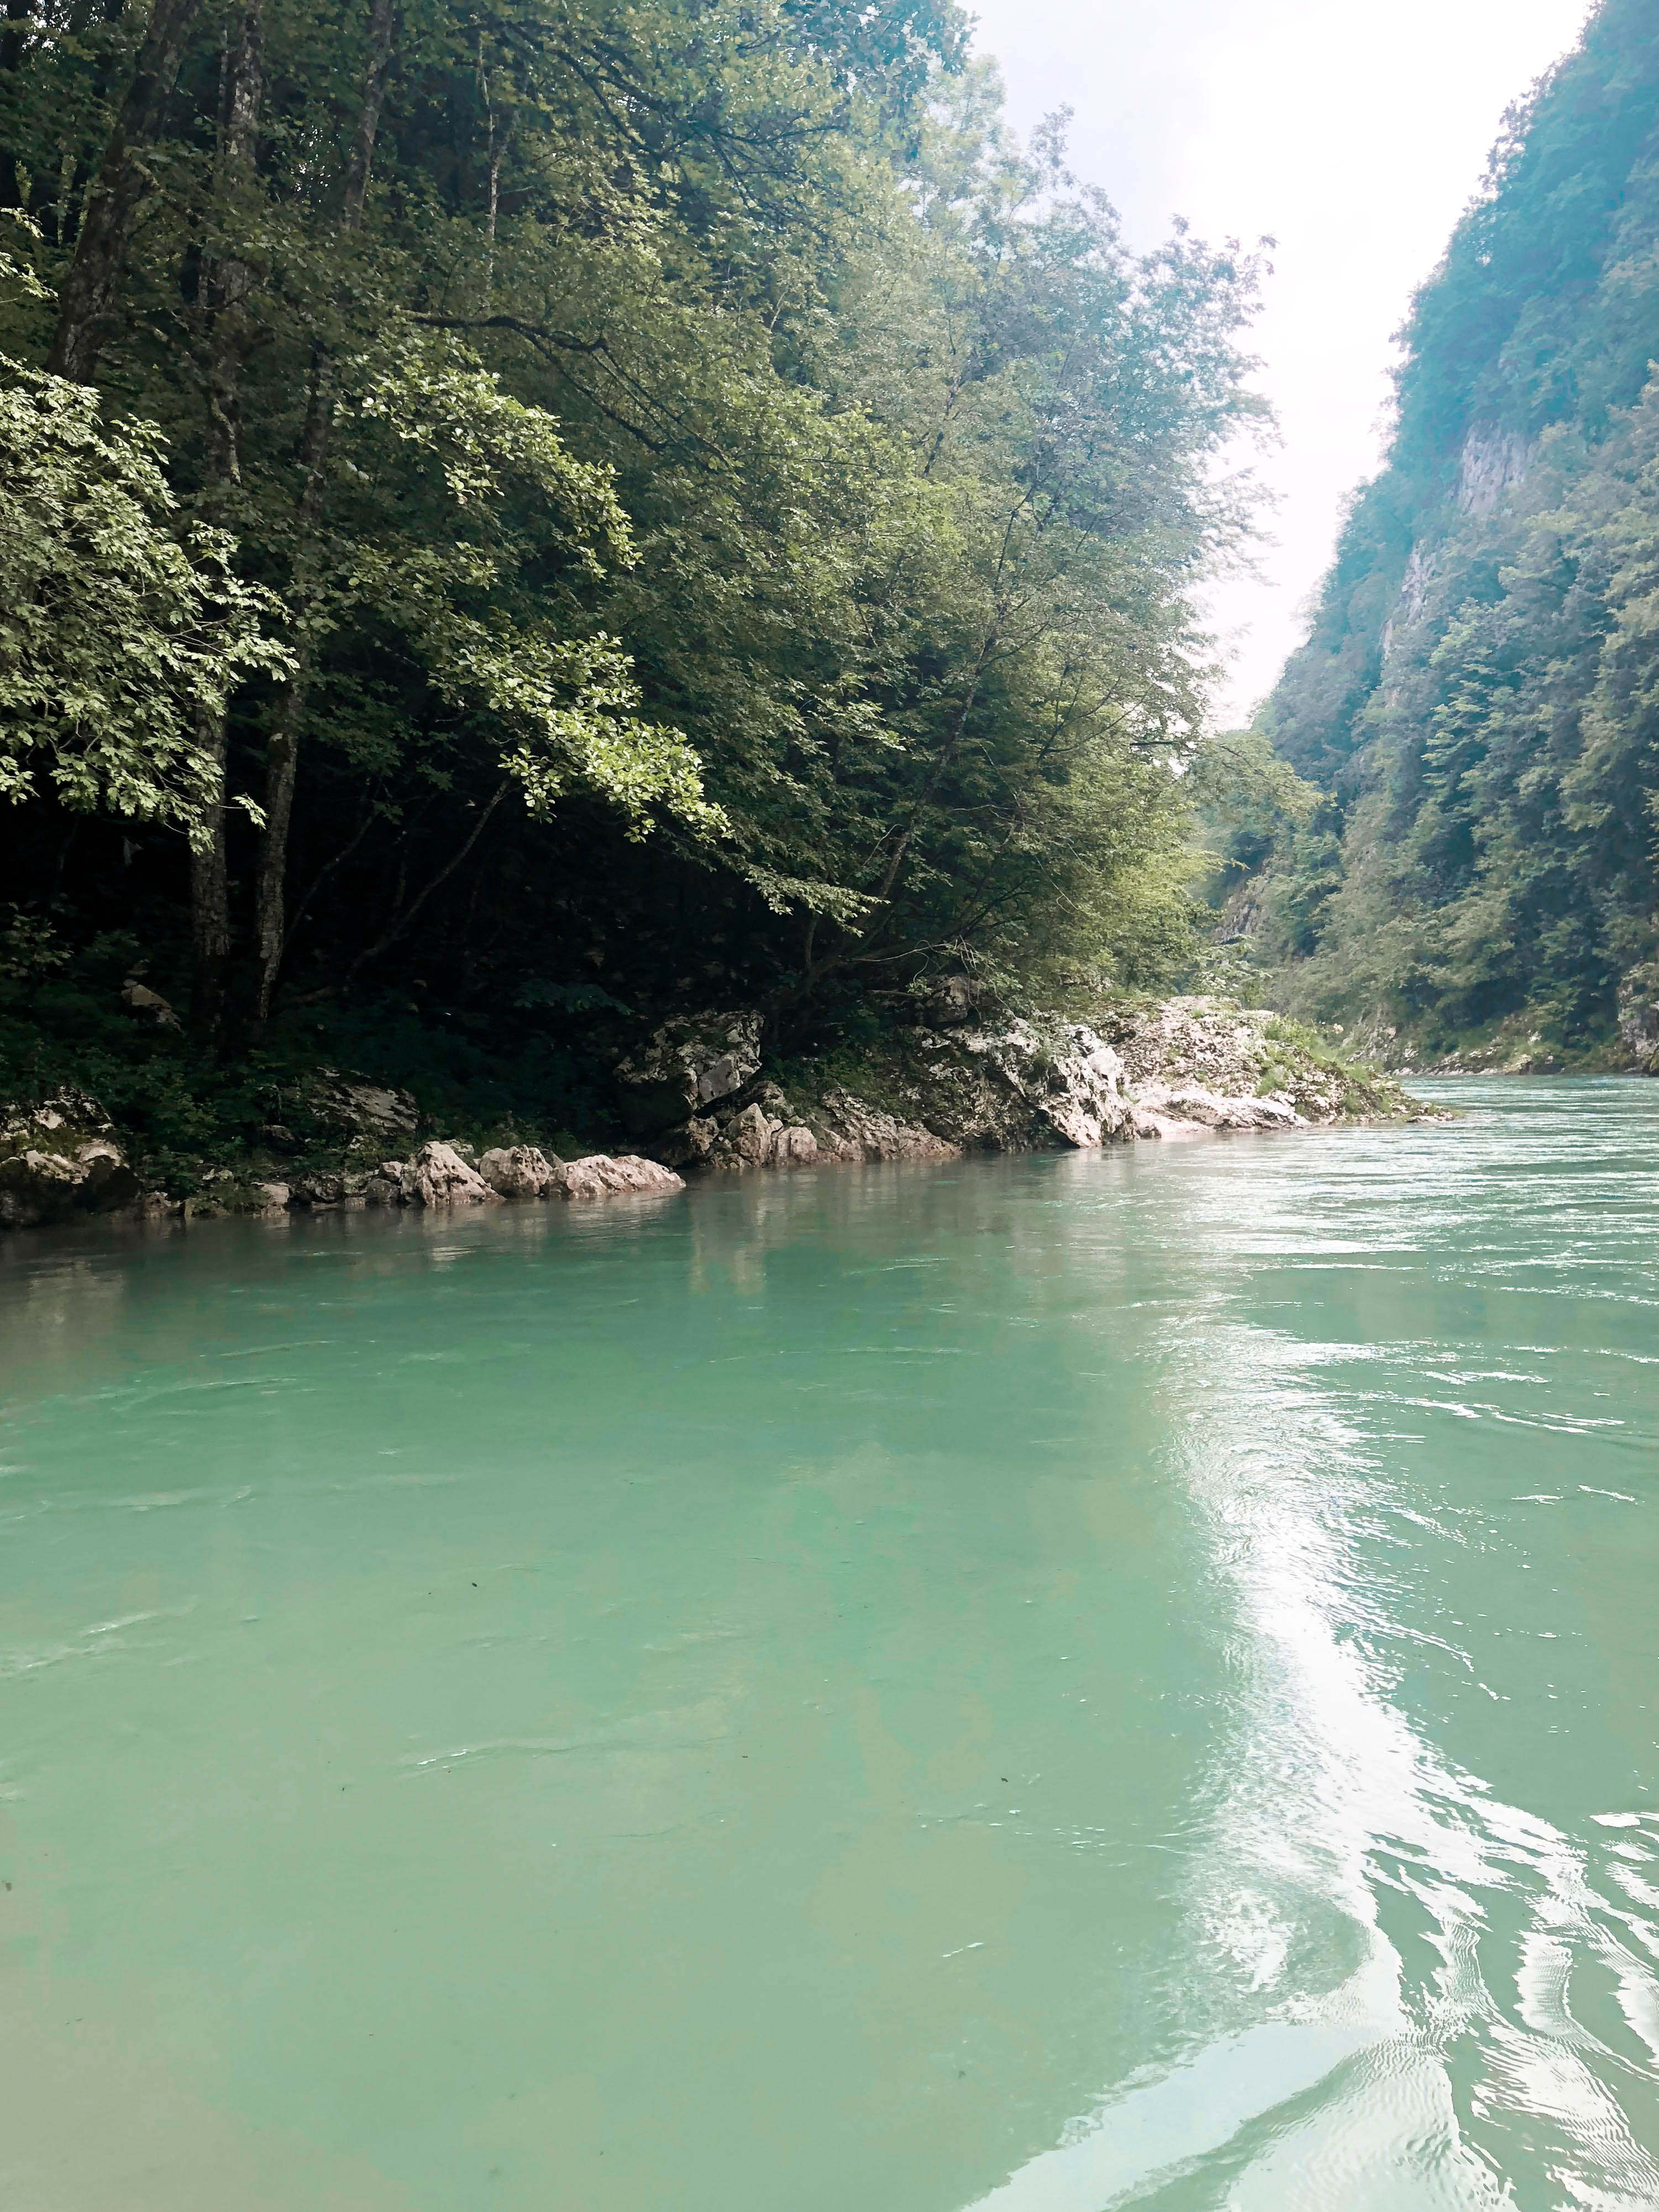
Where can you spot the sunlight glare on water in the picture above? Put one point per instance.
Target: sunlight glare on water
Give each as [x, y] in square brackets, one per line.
[1037, 1685]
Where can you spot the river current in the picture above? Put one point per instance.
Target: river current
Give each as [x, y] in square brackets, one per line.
[1027, 1686]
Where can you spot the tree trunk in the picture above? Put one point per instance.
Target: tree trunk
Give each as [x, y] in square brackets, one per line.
[282, 746]
[209, 901]
[92, 290]
[11, 61]
[282, 753]
[226, 281]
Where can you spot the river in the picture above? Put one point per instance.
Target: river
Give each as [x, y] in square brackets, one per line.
[1028, 1685]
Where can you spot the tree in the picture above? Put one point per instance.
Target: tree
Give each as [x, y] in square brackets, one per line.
[728, 501]
[114, 635]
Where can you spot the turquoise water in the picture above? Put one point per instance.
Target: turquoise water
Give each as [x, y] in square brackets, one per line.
[1032, 1685]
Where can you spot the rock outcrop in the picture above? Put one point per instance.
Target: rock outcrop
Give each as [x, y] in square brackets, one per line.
[360, 1110]
[1069, 1080]
[1185, 1058]
[329, 1188]
[1020, 1085]
[59, 1159]
[687, 1065]
[1161, 1110]
[775, 1130]
[959, 1083]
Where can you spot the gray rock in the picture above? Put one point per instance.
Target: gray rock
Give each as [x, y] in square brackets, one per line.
[264, 1201]
[327, 1189]
[437, 1176]
[519, 1171]
[951, 1000]
[795, 1147]
[1164, 1105]
[1150, 1069]
[1068, 1078]
[598, 1176]
[859, 1131]
[152, 1205]
[59, 1159]
[1215, 1049]
[138, 999]
[365, 1109]
[687, 1067]
[36, 1187]
[1492, 460]
[746, 1140]
[318, 1190]
[1024, 1085]
[690, 1145]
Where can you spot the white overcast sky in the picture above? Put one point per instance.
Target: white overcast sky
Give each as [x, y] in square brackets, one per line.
[1354, 133]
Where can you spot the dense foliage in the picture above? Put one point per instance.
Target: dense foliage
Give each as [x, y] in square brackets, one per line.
[685, 507]
[1476, 703]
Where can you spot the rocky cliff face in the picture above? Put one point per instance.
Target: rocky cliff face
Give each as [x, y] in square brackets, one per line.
[1492, 460]
[1475, 701]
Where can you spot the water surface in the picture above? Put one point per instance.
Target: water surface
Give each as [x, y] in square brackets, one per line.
[1034, 1686]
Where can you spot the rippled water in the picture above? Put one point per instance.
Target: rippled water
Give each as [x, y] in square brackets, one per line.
[1034, 1686]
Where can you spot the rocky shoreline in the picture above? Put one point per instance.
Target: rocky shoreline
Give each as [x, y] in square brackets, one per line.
[702, 1098]
[60, 1162]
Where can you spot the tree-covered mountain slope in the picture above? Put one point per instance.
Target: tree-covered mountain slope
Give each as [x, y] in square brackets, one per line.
[1477, 704]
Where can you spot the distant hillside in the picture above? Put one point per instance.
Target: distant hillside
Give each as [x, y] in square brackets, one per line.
[1478, 703]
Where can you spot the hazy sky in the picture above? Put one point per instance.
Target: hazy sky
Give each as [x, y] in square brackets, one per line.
[1354, 133]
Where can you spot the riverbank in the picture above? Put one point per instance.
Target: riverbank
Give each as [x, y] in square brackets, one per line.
[708, 1096]
[1521, 1043]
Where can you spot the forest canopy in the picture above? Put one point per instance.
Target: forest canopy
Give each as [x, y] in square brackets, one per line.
[631, 499]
